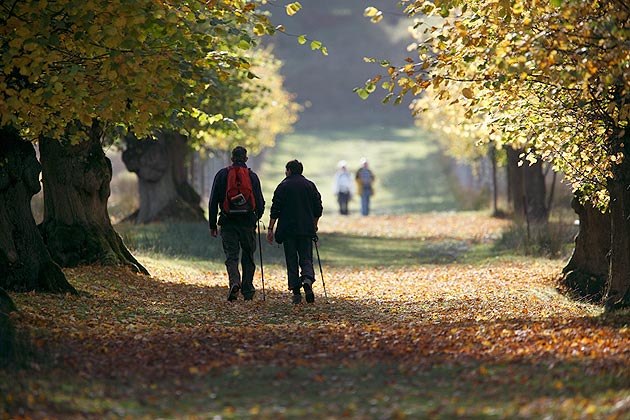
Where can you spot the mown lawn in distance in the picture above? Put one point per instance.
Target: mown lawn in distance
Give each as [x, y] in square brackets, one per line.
[411, 175]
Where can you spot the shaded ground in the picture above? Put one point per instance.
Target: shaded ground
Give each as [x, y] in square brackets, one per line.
[478, 338]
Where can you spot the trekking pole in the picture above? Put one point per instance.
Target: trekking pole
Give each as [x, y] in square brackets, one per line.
[262, 273]
[315, 239]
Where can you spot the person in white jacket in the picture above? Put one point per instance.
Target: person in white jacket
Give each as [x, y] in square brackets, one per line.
[343, 187]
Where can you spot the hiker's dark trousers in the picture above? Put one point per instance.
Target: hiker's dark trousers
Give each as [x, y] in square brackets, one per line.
[298, 252]
[343, 198]
[240, 241]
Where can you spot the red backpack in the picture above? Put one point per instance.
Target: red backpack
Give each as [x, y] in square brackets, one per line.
[239, 195]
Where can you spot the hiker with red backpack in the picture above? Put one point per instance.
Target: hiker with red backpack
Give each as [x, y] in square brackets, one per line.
[237, 199]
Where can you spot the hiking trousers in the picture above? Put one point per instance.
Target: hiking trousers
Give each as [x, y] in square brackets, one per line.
[343, 198]
[239, 242]
[298, 253]
[365, 202]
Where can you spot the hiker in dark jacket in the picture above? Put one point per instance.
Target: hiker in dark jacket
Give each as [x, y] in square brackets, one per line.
[297, 207]
[238, 231]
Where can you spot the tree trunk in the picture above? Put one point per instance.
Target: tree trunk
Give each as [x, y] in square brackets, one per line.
[586, 272]
[25, 263]
[528, 192]
[162, 183]
[495, 184]
[76, 227]
[515, 183]
[7, 331]
[617, 294]
[535, 193]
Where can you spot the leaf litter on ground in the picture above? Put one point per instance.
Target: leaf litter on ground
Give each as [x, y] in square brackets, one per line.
[498, 326]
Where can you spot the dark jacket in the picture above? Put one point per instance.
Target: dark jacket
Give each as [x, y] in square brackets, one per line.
[296, 204]
[217, 196]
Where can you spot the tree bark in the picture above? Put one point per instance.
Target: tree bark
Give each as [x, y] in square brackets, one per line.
[515, 183]
[535, 193]
[7, 331]
[76, 227]
[527, 187]
[586, 272]
[495, 184]
[25, 263]
[617, 291]
[164, 191]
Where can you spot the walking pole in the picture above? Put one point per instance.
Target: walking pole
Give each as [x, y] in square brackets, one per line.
[262, 273]
[315, 239]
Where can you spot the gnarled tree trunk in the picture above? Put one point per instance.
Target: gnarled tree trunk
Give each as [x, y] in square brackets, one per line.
[25, 263]
[162, 185]
[617, 291]
[587, 271]
[76, 227]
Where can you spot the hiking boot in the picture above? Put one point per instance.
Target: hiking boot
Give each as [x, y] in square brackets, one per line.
[233, 292]
[249, 296]
[308, 292]
[297, 299]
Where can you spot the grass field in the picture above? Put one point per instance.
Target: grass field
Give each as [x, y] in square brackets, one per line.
[411, 176]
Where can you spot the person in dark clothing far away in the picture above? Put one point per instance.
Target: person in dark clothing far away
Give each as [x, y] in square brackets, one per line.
[297, 207]
[238, 228]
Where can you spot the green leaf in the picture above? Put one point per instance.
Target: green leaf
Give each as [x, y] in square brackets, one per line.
[243, 44]
[363, 93]
[315, 45]
[302, 39]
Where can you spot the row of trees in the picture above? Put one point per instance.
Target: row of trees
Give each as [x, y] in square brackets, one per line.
[155, 78]
[550, 80]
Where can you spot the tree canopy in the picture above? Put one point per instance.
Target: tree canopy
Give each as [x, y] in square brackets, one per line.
[126, 63]
[552, 76]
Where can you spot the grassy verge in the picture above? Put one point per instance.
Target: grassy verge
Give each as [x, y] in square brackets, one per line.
[343, 241]
[410, 175]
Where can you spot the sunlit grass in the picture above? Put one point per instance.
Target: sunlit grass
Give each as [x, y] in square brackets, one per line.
[409, 169]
